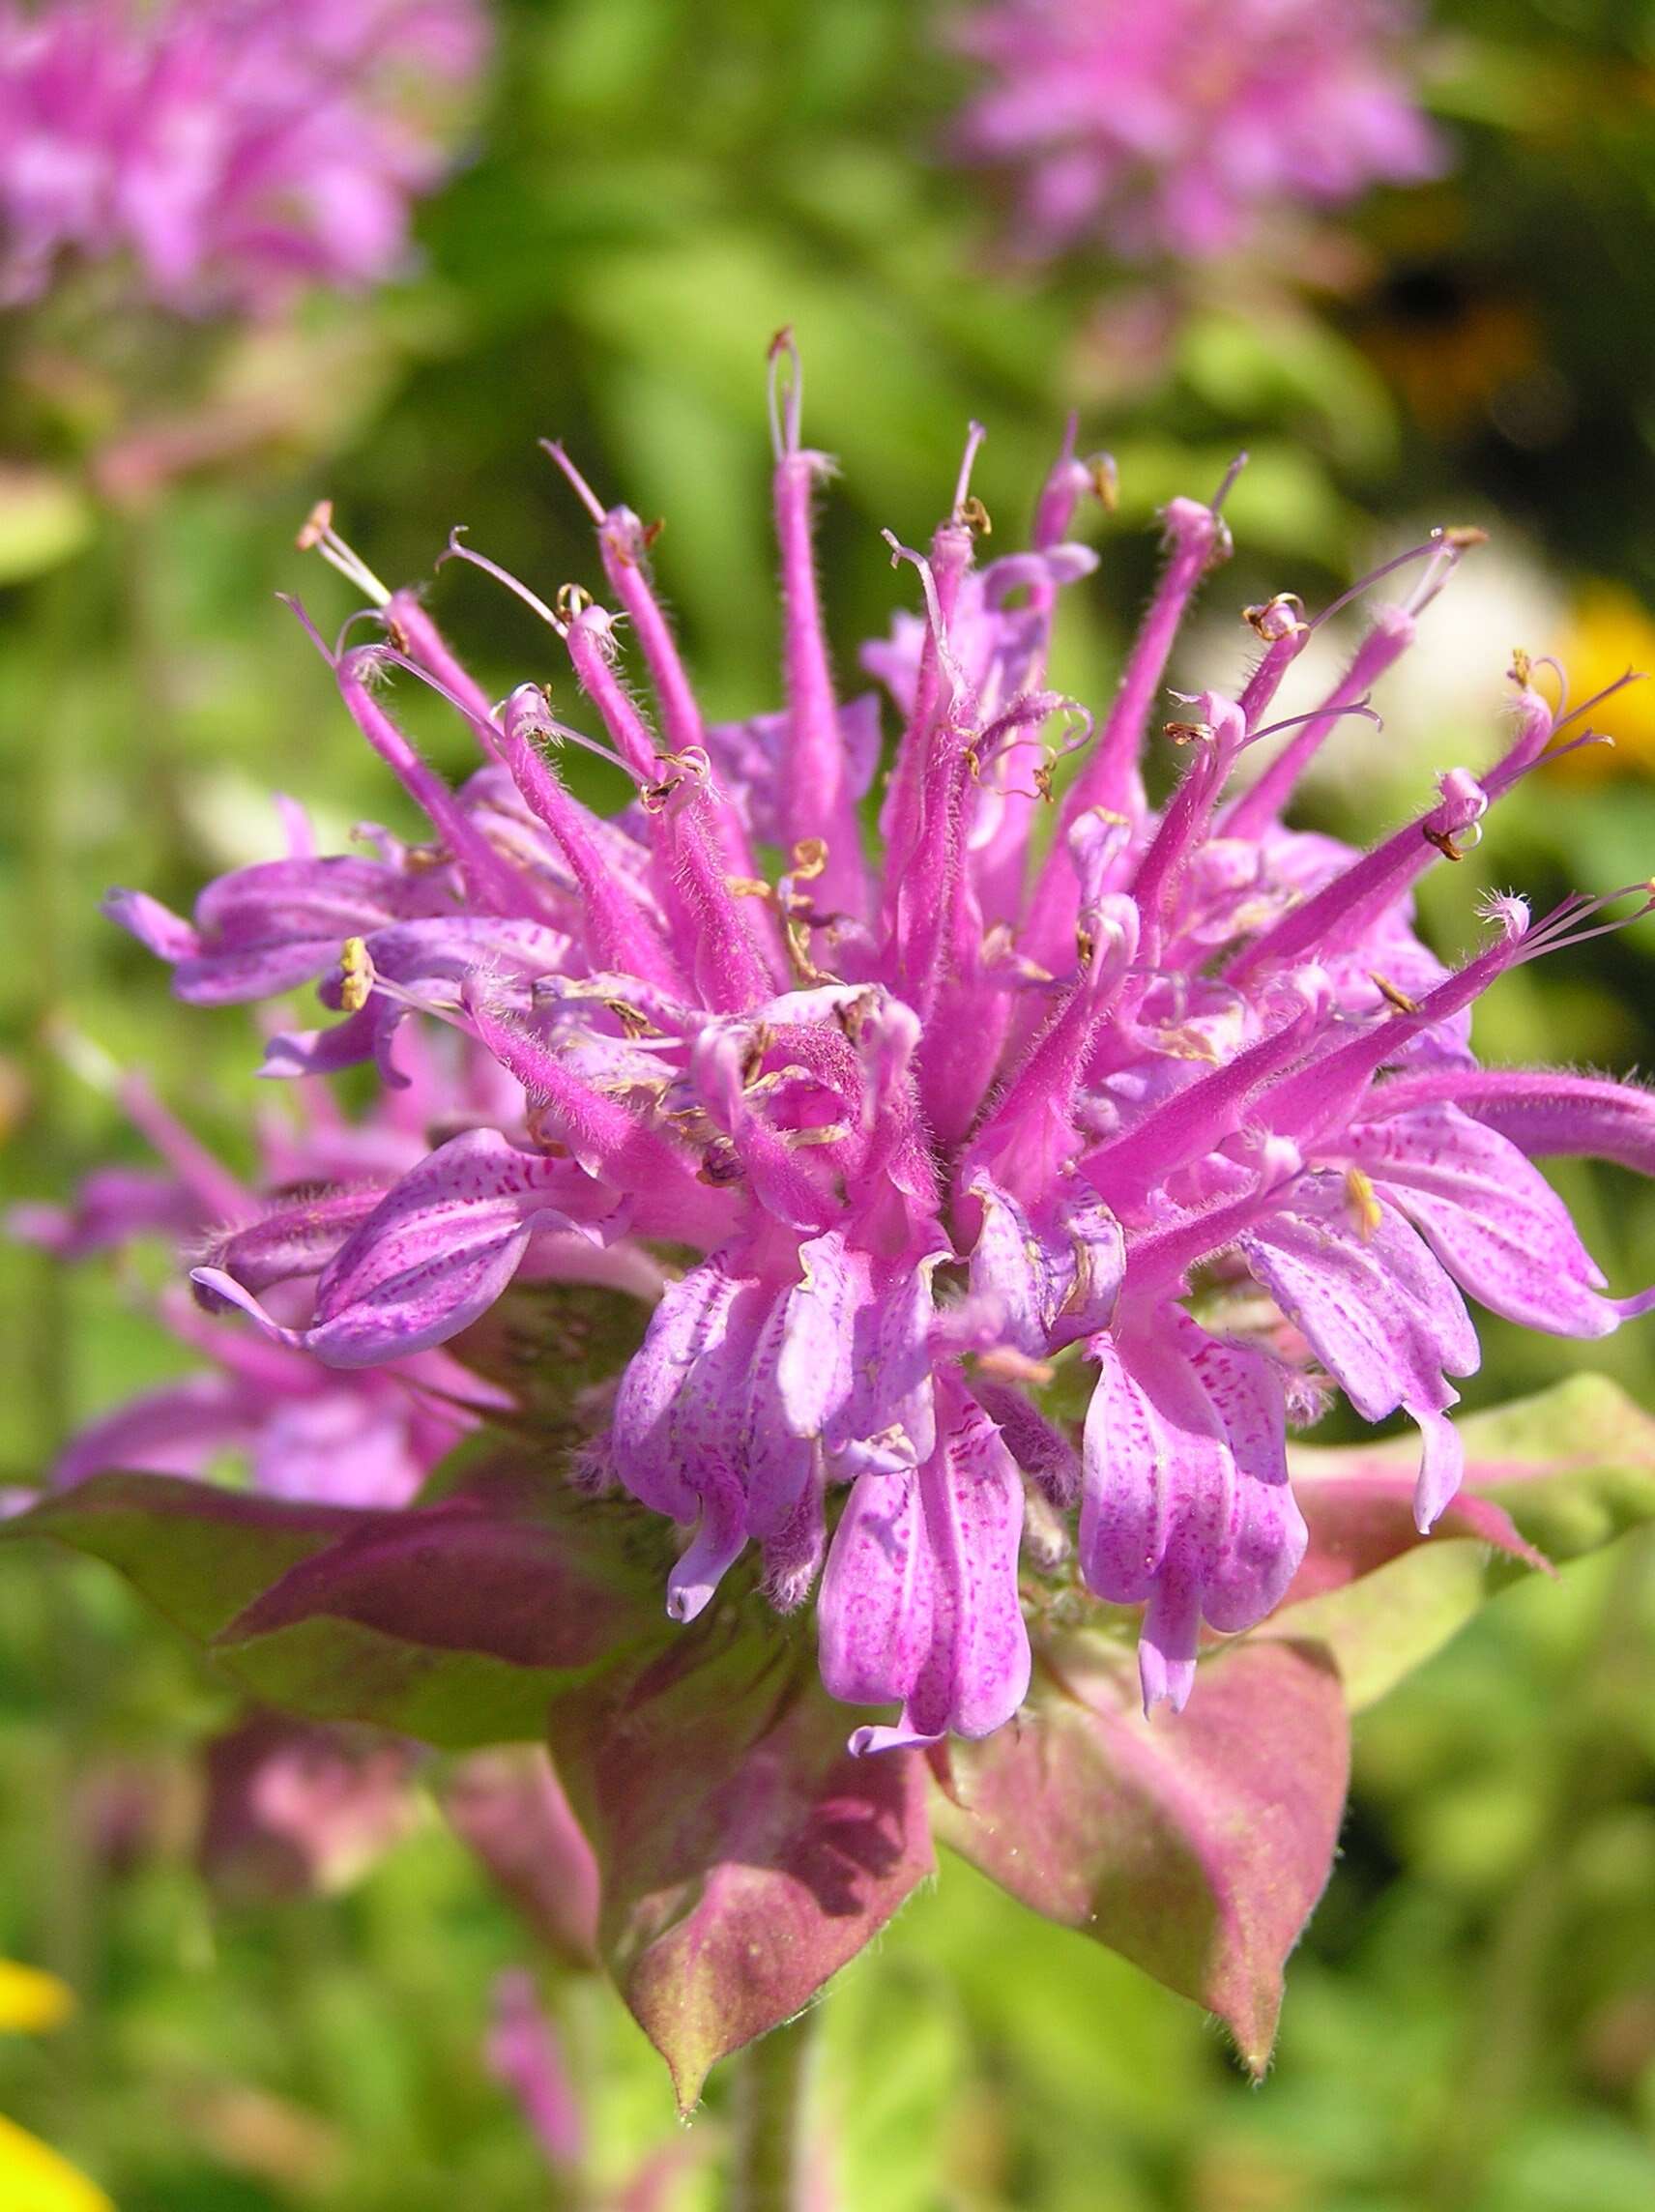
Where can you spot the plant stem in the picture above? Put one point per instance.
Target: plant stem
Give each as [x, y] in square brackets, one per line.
[772, 2144]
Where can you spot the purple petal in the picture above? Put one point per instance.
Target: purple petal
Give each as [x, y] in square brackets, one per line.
[292, 1240]
[919, 1598]
[1546, 1112]
[165, 934]
[717, 1543]
[1058, 1278]
[351, 1445]
[508, 1807]
[524, 2055]
[1375, 1307]
[435, 1253]
[890, 1418]
[1186, 1500]
[674, 1403]
[1492, 1221]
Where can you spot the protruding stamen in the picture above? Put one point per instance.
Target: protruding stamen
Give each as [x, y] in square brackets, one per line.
[1631, 676]
[319, 536]
[1362, 707]
[582, 490]
[1227, 485]
[514, 584]
[974, 436]
[786, 394]
[1427, 548]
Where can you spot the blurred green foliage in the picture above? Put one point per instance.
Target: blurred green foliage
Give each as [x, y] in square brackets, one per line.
[1471, 2020]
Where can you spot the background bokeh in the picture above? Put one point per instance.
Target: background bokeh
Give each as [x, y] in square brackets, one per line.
[655, 185]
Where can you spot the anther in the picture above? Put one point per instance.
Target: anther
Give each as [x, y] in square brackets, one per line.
[1363, 1204]
[1278, 617]
[1392, 994]
[356, 975]
[319, 536]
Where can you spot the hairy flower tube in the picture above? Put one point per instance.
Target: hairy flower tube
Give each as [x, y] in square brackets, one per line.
[1172, 130]
[1042, 1083]
[231, 150]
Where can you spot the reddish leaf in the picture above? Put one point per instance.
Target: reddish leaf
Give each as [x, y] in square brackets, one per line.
[513, 1564]
[1195, 1845]
[1547, 1478]
[509, 1808]
[198, 1554]
[1358, 1507]
[453, 1622]
[744, 1857]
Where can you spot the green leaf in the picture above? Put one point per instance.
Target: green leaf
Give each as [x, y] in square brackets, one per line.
[1194, 1844]
[1547, 1478]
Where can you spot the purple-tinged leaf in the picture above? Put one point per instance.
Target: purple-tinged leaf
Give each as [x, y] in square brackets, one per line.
[453, 1622]
[508, 1807]
[744, 1855]
[197, 1552]
[1195, 1845]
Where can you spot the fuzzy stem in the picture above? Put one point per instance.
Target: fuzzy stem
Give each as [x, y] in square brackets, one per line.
[769, 2169]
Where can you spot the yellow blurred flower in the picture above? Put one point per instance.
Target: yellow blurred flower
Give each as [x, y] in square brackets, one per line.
[34, 2178]
[31, 2003]
[1609, 631]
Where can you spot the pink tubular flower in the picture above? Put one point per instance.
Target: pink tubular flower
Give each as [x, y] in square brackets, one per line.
[234, 150]
[1171, 128]
[1174, 1093]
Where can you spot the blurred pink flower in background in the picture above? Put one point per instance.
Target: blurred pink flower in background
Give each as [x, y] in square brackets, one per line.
[1172, 129]
[234, 150]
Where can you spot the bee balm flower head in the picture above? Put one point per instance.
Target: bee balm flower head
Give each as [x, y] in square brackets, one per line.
[1171, 129]
[1019, 1087]
[231, 150]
